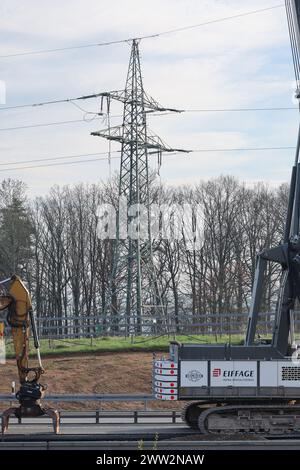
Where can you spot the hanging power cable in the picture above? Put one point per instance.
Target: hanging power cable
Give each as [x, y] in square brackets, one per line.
[62, 157]
[46, 124]
[148, 36]
[169, 154]
[292, 35]
[44, 103]
[96, 116]
[101, 96]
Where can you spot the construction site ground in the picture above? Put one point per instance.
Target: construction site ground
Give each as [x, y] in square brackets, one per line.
[123, 372]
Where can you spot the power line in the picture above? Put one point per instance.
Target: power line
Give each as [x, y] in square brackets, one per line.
[227, 110]
[58, 158]
[43, 103]
[54, 164]
[155, 35]
[96, 117]
[218, 20]
[249, 149]
[203, 110]
[245, 149]
[68, 48]
[97, 95]
[56, 123]
[230, 110]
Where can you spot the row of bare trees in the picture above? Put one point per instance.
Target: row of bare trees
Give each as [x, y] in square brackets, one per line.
[52, 242]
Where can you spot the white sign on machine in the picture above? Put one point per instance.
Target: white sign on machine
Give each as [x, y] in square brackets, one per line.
[279, 374]
[193, 374]
[233, 373]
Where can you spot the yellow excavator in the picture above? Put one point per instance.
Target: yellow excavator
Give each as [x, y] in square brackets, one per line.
[16, 300]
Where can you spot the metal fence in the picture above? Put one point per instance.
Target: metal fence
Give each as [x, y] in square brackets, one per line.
[218, 325]
[87, 326]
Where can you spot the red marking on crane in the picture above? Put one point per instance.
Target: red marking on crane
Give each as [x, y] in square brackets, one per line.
[172, 391]
[172, 385]
[172, 365]
[216, 372]
[172, 372]
[172, 398]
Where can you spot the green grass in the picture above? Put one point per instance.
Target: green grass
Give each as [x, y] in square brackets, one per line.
[118, 344]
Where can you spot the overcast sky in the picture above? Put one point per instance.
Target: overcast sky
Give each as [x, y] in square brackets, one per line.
[239, 63]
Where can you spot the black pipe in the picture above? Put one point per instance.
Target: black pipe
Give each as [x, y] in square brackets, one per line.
[34, 330]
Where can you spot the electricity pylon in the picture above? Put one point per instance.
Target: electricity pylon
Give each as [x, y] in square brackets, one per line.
[134, 292]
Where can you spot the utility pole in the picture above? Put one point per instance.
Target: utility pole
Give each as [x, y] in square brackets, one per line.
[134, 292]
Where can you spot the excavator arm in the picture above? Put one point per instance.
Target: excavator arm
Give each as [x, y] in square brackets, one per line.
[16, 299]
[20, 318]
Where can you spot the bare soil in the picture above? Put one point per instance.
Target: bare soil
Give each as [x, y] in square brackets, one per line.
[124, 372]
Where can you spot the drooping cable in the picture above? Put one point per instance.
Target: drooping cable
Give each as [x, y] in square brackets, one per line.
[293, 41]
[65, 157]
[292, 38]
[148, 36]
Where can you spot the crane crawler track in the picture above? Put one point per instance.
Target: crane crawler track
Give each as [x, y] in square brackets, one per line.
[262, 419]
[191, 412]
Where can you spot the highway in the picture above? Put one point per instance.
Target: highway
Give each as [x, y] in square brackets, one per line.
[83, 433]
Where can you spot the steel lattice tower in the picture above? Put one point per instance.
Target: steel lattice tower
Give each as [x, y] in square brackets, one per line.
[133, 289]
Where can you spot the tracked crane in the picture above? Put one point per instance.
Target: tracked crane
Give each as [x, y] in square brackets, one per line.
[255, 387]
[16, 301]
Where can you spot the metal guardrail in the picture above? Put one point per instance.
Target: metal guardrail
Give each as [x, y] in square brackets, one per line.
[107, 417]
[166, 445]
[88, 397]
[71, 398]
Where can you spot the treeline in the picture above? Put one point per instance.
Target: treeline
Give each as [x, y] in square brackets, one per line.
[52, 243]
